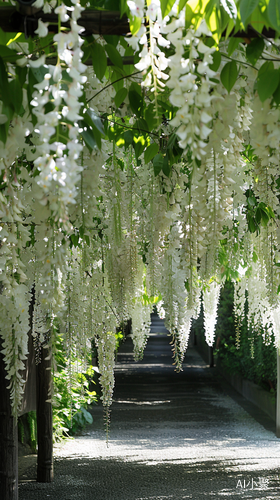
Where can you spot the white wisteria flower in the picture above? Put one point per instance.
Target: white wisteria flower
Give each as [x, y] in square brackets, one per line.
[42, 29]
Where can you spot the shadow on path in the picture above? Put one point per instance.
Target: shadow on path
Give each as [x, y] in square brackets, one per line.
[173, 436]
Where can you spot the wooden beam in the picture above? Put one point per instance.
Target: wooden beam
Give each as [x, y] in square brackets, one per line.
[95, 22]
[44, 418]
[8, 440]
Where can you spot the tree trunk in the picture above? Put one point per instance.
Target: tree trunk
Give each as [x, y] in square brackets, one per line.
[44, 418]
[8, 440]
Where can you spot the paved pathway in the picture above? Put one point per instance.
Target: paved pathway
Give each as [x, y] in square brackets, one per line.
[173, 437]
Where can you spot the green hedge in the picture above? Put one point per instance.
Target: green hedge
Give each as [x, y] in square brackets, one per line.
[253, 360]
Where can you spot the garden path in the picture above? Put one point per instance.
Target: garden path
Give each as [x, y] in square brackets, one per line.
[173, 437]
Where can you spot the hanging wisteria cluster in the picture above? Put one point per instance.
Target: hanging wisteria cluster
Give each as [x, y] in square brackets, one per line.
[122, 187]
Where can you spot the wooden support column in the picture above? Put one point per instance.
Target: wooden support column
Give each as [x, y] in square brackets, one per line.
[211, 356]
[8, 440]
[278, 397]
[44, 418]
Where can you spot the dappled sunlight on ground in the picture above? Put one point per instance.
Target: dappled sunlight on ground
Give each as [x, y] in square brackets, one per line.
[173, 437]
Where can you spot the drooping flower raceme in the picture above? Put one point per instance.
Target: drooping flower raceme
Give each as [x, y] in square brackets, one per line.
[57, 146]
[190, 87]
[211, 295]
[141, 319]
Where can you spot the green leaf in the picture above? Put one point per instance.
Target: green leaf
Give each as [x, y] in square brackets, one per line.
[166, 167]
[171, 141]
[229, 75]
[120, 97]
[255, 257]
[21, 74]
[267, 66]
[246, 8]
[267, 83]
[258, 19]
[166, 6]
[134, 24]
[87, 135]
[216, 61]
[4, 83]
[267, 210]
[117, 79]
[254, 50]
[139, 146]
[39, 73]
[74, 239]
[213, 19]
[151, 152]
[136, 102]
[251, 201]
[99, 60]
[233, 44]
[230, 8]
[273, 12]
[188, 16]
[8, 55]
[3, 133]
[95, 120]
[87, 416]
[123, 8]
[114, 55]
[17, 95]
[252, 225]
[158, 163]
[166, 106]
[262, 215]
[86, 52]
[142, 125]
[136, 87]
[18, 38]
[276, 95]
[150, 117]
[182, 4]
[112, 39]
[128, 137]
[94, 126]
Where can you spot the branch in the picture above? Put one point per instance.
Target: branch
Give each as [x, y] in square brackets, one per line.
[239, 62]
[90, 276]
[112, 83]
[127, 60]
[126, 126]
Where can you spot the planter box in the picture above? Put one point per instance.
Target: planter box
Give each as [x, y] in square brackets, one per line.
[254, 393]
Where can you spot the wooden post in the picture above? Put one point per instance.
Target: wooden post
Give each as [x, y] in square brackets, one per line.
[211, 356]
[44, 418]
[8, 440]
[278, 397]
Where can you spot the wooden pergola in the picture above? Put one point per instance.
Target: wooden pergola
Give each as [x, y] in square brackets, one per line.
[25, 19]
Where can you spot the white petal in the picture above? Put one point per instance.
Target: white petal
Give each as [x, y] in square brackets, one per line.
[39, 62]
[42, 29]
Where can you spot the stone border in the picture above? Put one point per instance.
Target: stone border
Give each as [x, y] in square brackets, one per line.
[253, 392]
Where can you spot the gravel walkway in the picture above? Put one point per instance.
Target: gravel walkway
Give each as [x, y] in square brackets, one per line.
[173, 436]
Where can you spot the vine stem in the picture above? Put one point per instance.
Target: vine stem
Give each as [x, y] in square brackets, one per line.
[129, 128]
[112, 83]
